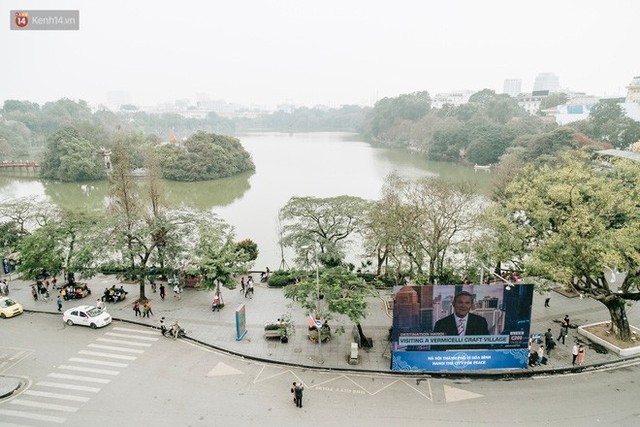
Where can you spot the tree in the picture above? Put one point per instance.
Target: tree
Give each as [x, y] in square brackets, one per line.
[431, 217]
[389, 111]
[608, 122]
[581, 219]
[329, 222]
[338, 291]
[69, 241]
[553, 100]
[70, 157]
[204, 156]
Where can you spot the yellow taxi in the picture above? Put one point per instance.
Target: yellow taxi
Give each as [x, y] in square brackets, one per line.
[9, 308]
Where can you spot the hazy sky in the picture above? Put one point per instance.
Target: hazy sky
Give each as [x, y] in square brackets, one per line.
[317, 52]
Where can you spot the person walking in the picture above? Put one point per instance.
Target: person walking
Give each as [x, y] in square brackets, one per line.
[147, 309]
[176, 291]
[564, 329]
[293, 393]
[162, 291]
[59, 302]
[541, 359]
[547, 299]
[574, 353]
[580, 358]
[242, 285]
[298, 392]
[136, 309]
[548, 336]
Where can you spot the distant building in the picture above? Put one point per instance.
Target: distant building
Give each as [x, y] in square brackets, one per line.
[531, 102]
[117, 98]
[512, 87]
[546, 81]
[454, 98]
[633, 91]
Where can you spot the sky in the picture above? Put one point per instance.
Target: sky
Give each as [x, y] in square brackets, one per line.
[269, 52]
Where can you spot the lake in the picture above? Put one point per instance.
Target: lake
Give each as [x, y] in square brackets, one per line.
[323, 164]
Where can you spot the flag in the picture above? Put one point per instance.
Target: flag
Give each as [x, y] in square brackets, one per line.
[172, 137]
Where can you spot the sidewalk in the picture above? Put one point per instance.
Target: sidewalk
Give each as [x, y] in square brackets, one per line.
[217, 329]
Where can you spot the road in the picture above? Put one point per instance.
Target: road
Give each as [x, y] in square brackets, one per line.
[128, 375]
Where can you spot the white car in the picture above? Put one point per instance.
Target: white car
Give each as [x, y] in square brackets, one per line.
[86, 315]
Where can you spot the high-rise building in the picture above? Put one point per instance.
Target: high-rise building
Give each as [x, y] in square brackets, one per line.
[512, 87]
[546, 81]
[633, 91]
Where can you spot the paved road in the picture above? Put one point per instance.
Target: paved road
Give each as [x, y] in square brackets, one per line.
[128, 375]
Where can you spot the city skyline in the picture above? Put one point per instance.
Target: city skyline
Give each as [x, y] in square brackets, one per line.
[334, 53]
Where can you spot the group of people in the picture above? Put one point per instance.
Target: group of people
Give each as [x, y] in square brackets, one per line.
[114, 294]
[247, 287]
[578, 350]
[146, 309]
[297, 390]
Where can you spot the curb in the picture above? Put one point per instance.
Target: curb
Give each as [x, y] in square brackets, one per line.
[495, 375]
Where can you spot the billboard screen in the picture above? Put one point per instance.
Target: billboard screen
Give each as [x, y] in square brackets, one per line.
[461, 327]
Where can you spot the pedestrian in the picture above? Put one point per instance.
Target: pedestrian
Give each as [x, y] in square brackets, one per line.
[136, 309]
[249, 287]
[541, 359]
[59, 303]
[242, 284]
[215, 306]
[547, 299]
[574, 353]
[548, 336]
[147, 309]
[54, 282]
[298, 392]
[580, 359]
[162, 293]
[100, 304]
[563, 335]
[293, 393]
[550, 346]
[163, 327]
[176, 291]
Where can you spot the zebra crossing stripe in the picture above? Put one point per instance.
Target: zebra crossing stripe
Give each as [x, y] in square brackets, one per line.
[98, 362]
[31, 416]
[109, 347]
[135, 337]
[68, 386]
[109, 355]
[135, 344]
[41, 405]
[79, 378]
[89, 370]
[56, 395]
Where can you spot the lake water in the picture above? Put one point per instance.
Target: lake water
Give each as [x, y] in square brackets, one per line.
[322, 164]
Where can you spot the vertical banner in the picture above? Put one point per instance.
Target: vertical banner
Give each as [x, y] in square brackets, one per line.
[241, 323]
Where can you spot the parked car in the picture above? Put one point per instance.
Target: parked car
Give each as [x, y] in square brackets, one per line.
[86, 315]
[9, 307]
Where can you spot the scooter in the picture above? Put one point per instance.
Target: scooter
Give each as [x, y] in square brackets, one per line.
[175, 331]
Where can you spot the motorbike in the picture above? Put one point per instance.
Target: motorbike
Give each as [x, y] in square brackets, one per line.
[175, 331]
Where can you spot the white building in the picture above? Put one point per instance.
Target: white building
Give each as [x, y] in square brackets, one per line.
[454, 98]
[530, 102]
[512, 87]
[546, 81]
[633, 90]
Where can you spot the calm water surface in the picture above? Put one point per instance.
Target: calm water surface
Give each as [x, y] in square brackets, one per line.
[308, 164]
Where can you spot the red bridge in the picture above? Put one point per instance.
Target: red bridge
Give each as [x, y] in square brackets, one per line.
[20, 166]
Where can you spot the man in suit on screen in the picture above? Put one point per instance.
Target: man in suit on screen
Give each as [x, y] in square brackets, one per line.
[461, 322]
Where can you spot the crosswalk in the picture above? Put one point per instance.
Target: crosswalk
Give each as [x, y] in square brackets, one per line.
[71, 384]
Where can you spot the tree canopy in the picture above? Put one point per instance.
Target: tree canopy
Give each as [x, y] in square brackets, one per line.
[580, 218]
[204, 156]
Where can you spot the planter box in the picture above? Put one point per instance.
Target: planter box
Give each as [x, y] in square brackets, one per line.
[624, 352]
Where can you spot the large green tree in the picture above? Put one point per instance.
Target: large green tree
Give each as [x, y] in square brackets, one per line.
[580, 219]
[330, 222]
[70, 157]
[336, 290]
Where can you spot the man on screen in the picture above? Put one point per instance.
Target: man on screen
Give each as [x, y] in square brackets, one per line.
[461, 322]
